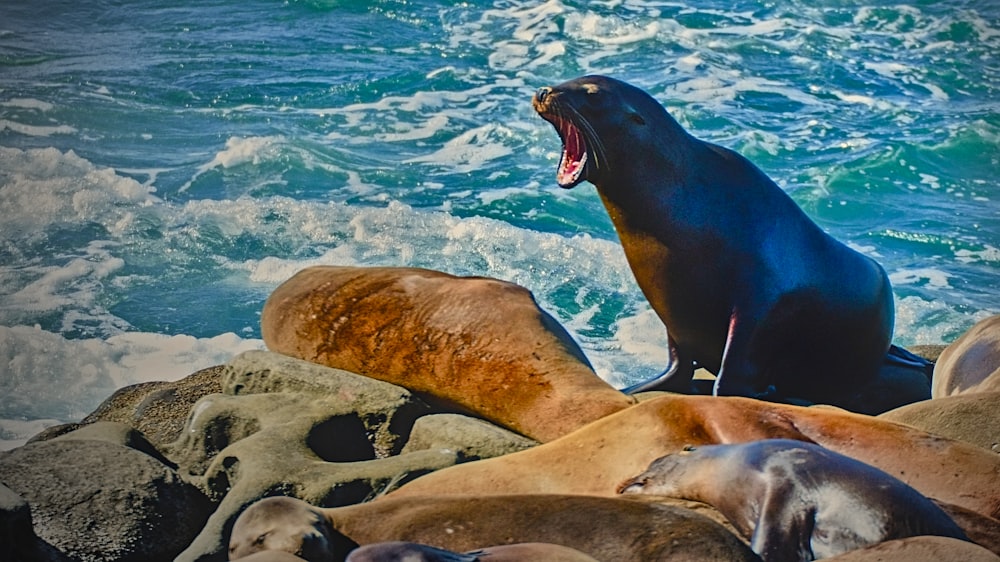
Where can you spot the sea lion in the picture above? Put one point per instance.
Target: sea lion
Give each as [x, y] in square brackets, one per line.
[971, 363]
[596, 458]
[795, 501]
[398, 551]
[271, 556]
[603, 528]
[919, 549]
[481, 344]
[748, 286]
[289, 525]
[972, 417]
[982, 530]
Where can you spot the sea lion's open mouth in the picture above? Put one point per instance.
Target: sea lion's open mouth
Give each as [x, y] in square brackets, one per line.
[573, 161]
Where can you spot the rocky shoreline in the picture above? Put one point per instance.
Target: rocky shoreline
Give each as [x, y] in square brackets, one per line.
[161, 471]
[208, 445]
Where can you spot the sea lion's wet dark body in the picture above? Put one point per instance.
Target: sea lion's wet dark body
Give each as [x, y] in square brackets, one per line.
[796, 501]
[746, 284]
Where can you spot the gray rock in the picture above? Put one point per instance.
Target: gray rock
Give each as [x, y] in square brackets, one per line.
[279, 460]
[95, 500]
[17, 534]
[470, 438]
[117, 433]
[157, 409]
[928, 351]
[15, 519]
[289, 427]
[386, 410]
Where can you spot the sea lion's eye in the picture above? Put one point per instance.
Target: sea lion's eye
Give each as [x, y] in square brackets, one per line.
[636, 118]
[688, 448]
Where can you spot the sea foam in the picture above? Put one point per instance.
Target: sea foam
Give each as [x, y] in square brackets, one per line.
[49, 379]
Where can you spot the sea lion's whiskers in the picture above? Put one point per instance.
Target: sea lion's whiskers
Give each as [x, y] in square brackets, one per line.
[594, 142]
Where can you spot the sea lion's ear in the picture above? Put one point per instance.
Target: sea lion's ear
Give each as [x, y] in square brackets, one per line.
[631, 113]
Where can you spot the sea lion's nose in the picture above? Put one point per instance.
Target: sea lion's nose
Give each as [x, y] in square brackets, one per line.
[542, 93]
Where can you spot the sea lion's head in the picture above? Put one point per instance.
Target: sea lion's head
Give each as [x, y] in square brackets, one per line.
[282, 524]
[603, 124]
[662, 476]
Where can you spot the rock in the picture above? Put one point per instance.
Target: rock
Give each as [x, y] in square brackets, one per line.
[157, 409]
[469, 438]
[971, 363]
[95, 500]
[930, 352]
[386, 410]
[17, 534]
[973, 418]
[252, 471]
[295, 428]
[117, 433]
[15, 517]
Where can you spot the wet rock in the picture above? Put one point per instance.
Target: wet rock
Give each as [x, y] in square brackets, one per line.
[95, 500]
[470, 438]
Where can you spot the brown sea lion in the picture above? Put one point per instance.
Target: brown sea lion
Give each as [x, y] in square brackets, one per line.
[982, 530]
[286, 525]
[479, 343]
[795, 501]
[748, 286]
[398, 551]
[597, 457]
[971, 363]
[919, 549]
[271, 556]
[973, 417]
[603, 528]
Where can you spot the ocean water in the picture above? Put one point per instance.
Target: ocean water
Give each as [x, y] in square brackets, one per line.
[164, 166]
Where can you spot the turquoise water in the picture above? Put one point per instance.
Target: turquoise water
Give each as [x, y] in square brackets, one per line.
[162, 169]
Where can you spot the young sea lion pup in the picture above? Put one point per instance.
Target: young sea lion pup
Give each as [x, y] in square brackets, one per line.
[748, 286]
[795, 501]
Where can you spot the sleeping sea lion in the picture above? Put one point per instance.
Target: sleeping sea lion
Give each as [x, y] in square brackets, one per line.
[478, 343]
[795, 501]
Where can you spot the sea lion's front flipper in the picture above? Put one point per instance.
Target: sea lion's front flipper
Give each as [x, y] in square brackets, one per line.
[676, 378]
[780, 519]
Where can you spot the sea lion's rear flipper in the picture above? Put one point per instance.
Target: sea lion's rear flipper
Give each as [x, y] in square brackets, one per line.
[903, 378]
[900, 357]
